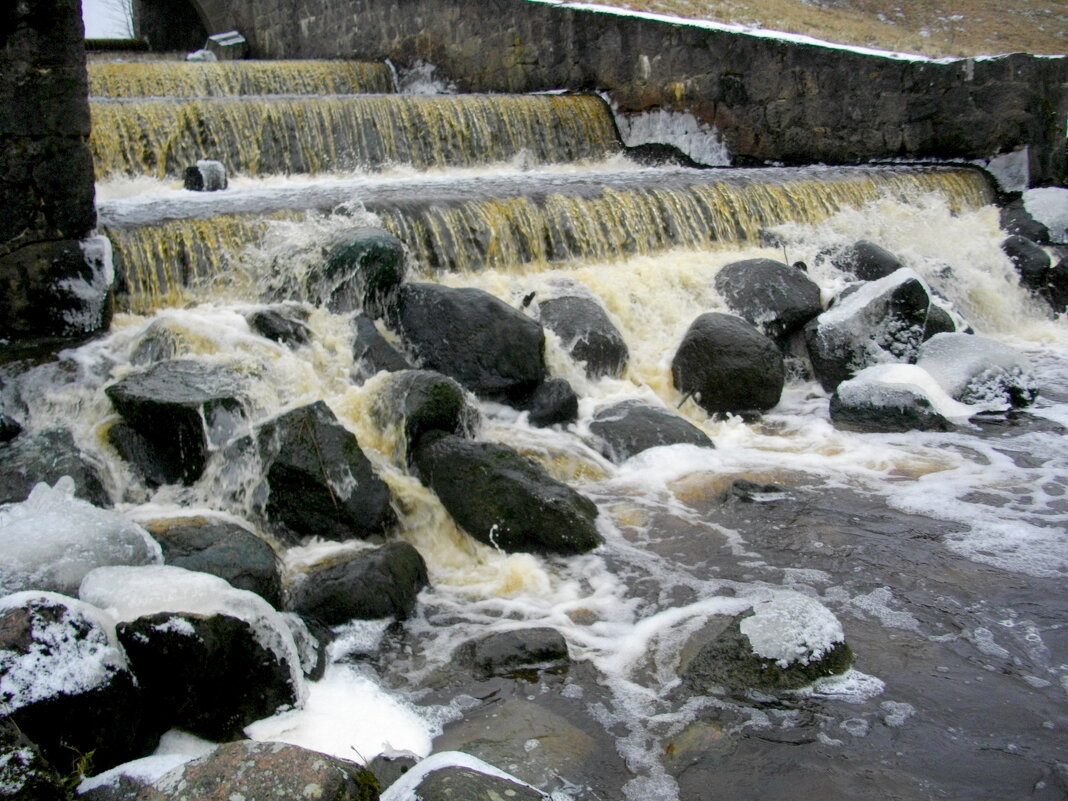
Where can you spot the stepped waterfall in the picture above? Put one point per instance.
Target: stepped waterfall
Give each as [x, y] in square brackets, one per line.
[929, 557]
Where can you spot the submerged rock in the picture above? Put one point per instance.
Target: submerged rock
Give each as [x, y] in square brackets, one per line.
[586, 333]
[515, 652]
[183, 409]
[65, 680]
[373, 584]
[364, 273]
[47, 456]
[553, 403]
[318, 482]
[976, 370]
[773, 296]
[286, 323]
[252, 770]
[468, 334]
[866, 260]
[631, 427]
[504, 499]
[456, 776]
[422, 401]
[881, 321]
[728, 366]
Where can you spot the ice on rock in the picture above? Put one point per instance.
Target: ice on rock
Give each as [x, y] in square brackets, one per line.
[792, 628]
[900, 385]
[128, 593]
[73, 652]
[52, 539]
[977, 370]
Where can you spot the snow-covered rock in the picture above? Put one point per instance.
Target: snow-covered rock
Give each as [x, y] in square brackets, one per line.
[52, 539]
[979, 371]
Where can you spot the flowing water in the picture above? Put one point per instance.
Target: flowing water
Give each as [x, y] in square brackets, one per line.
[944, 555]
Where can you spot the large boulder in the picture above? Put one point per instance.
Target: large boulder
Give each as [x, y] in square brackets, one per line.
[1031, 262]
[631, 427]
[223, 548]
[467, 334]
[881, 321]
[866, 260]
[896, 397]
[318, 481]
[47, 456]
[372, 584]
[976, 370]
[421, 401]
[586, 333]
[509, 652]
[773, 296]
[251, 770]
[371, 352]
[728, 365]
[504, 499]
[65, 681]
[52, 539]
[183, 409]
[785, 643]
[362, 273]
[209, 658]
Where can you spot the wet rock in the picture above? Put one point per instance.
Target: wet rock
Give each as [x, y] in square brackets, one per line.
[205, 674]
[48, 456]
[1014, 218]
[776, 298]
[119, 786]
[9, 428]
[143, 459]
[784, 644]
[183, 409]
[388, 769]
[1031, 262]
[373, 584]
[728, 365]
[311, 639]
[52, 539]
[893, 397]
[1057, 286]
[658, 154]
[631, 427]
[879, 321]
[207, 175]
[976, 370]
[467, 334]
[363, 273]
[586, 333]
[222, 548]
[504, 499]
[866, 260]
[64, 680]
[252, 770]
[318, 481]
[520, 652]
[939, 321]
[422, 401]
[553, 403]
[286, 323]
[371, 352]
[25, 775]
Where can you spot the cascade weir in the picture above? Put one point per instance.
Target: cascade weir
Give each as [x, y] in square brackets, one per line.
[938, 553]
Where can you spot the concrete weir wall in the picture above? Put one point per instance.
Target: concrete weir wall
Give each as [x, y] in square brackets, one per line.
[770, 99]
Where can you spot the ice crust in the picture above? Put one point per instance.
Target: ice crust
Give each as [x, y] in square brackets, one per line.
[898, 385]
[974, 368]
[74, 654]
[128, 593]
[52, 539]
[1049, 205]
[790, 628]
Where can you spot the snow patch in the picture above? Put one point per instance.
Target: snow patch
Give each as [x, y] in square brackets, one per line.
[682, 129]
[895, 385]
[790, 628]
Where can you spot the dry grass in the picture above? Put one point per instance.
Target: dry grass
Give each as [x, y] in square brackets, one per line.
[935, 28]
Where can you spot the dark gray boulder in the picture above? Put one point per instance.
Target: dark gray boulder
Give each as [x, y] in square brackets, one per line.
[421, 401]
[866, 260]
[317, 480]
[1057, 286]
[553, 403]
[939, 321]
[9, 427]
[183, 409]
[66, 684]
[1014, 218]
[879, 321]
[776, 298]
[222, 548]
[145, 461]
[631, 427]
[586, 333]
[504, 499]
[207, 175]
[371, 352]
[728, 366]
[373, 584]
[286, 323]
[207, 674]
[523, 651]
[467, 334]
[1031, 262]
[363, 273]
[254, 770]
[47, 456]
[25, 775]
